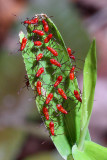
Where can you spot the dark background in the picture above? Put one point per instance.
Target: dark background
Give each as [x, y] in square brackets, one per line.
[22, 135]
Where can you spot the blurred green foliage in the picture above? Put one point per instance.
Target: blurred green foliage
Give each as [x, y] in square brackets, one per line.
[11, 141]
[45, 156]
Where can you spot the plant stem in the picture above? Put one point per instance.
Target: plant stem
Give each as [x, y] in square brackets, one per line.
[83, 133]
[70, 157]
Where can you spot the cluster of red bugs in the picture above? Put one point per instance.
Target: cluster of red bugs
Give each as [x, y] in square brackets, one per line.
[71, 75]
[70, 53]
[32, 21]
[41, 70]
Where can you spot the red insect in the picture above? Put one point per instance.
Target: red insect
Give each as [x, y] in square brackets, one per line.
[47, 39]
[39, 72]
[45, 25]
[39, 32]
[61, 109]
[70, 53]
[62, 93]
[54, 62]
[72, 57]
[32, 21]
[72, 69]
[23, 44]
[37, 43]
[39, 56]
[72, 73]
[38, 87]
[58, 81]
[44, 22]
[51, 127]
[45, 111]
[46, 28]
[49, 98]
[52, 51]
[77, 96]
[27, 22]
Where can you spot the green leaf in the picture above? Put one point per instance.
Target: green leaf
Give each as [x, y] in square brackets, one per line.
[67, 127]
[89, 82]
[92, 151]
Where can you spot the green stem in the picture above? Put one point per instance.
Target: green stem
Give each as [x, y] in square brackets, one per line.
[70, 157]
[83, 133]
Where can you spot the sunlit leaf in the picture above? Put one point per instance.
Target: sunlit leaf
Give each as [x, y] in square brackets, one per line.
[67, 127]
[89, 82]
[92, 151]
